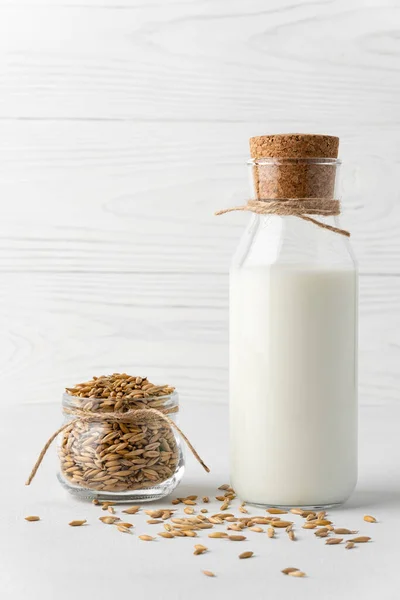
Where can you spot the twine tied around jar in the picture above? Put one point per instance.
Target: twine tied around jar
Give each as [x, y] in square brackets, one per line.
[296, 207]
[134, 415]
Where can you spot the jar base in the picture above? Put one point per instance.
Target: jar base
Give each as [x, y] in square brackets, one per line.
[301, 506]
[150, 494]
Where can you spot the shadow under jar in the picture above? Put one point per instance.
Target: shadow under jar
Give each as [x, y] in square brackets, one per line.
[130, 460]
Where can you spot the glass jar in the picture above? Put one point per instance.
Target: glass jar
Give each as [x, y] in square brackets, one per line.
[293, 349]
[132, 460]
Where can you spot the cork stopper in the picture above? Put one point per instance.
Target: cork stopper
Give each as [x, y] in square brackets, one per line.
[294, 145]
[297, 174]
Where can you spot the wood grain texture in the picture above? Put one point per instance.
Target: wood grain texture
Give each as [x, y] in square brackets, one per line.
[141, 196]
[303, 63]
[124, 126]
[59, 328]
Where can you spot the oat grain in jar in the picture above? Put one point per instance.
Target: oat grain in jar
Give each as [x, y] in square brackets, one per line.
[120, 445]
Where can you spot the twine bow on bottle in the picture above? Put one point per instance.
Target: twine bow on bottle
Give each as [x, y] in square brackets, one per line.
[297, 207]
[134, 415]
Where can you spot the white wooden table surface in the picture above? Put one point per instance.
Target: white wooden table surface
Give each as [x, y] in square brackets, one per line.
[48, 559]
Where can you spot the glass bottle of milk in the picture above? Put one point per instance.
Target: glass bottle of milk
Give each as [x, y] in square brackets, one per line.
[293, 337]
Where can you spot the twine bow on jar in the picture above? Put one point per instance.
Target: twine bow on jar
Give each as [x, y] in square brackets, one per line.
[130, 416]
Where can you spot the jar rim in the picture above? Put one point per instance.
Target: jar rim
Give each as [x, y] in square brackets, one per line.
[165, 401]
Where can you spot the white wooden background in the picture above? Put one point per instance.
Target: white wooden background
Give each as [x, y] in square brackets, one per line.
[124, 126]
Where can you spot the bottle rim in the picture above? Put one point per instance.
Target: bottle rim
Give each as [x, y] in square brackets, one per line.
[289, 161]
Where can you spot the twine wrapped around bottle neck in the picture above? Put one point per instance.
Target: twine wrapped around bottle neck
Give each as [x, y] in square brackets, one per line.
[296, 207]
[135, 415]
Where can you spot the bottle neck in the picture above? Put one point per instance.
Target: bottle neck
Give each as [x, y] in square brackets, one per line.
[290, 240]
[297, 178]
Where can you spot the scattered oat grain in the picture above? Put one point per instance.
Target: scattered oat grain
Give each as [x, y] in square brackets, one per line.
[321, 533]
[123, 529]
[289, 570]
[248, 554]
[154, 521]
[132, 510]
[344, 531]
[281, 524]
[321, 522]
[109, 520]
[370, 519]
